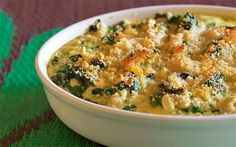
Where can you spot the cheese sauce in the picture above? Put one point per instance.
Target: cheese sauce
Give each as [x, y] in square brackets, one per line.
[168, 64]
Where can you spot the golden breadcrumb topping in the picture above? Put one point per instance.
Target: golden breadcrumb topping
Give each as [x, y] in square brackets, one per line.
[168, 64]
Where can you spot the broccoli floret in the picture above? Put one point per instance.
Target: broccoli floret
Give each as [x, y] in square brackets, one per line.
[194, 109]
[131, 74]
[163, 89]
[75, 58]
[77, 90]
[109, 38]
[188, 21]
[96, 91]
[120, 27]
[156, 99]
[135, 86]
[57, 79]
[197, 110]
[174, 19]
[150, 76]
[63, 77]
[184, 75]
[95, 26]
[96, 62]
[170, 90]
[138, 26]
[216, 81]
[215, 111]
[170, 18]
[130, 108]
[217, 51]
[86, 80]
[163, 25]
[72, 72]
[65, 74]
[156, 49]
[54, 60]
[217, 48]
[158, 15]
[92, 47]
[122, 85]
[83, 41]
[66, 69]
[111, 90]
[113, 32]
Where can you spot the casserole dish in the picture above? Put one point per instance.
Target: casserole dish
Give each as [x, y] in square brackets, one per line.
[115, 127]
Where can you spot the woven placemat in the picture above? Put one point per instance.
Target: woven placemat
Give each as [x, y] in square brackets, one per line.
[26, 118]
[7, 29]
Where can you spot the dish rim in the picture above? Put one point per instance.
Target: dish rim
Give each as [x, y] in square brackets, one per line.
[70, 98]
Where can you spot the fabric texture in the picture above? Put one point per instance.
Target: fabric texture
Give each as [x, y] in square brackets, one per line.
[25, 115]
[6, 36]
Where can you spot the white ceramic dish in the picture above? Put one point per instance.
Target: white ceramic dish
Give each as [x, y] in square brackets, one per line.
[114, 127]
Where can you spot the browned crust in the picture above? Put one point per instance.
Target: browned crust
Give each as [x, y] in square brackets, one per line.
[135, 57]
[231, 35]
[179, 49]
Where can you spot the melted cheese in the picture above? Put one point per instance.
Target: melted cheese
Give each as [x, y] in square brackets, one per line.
[164, 68]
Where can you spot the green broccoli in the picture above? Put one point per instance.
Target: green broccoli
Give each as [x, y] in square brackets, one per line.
[188, 21]
[216, 81]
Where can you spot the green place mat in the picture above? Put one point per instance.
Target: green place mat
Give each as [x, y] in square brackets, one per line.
[22, 96]
[55, 134]
[23, 101]
[7, 29]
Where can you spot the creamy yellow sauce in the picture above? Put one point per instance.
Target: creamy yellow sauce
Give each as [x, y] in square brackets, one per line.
[168, 64]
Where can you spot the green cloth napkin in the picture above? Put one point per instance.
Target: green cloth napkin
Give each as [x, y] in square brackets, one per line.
[26, 118]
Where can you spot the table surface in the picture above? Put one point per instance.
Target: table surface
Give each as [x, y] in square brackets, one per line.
[32, 17]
